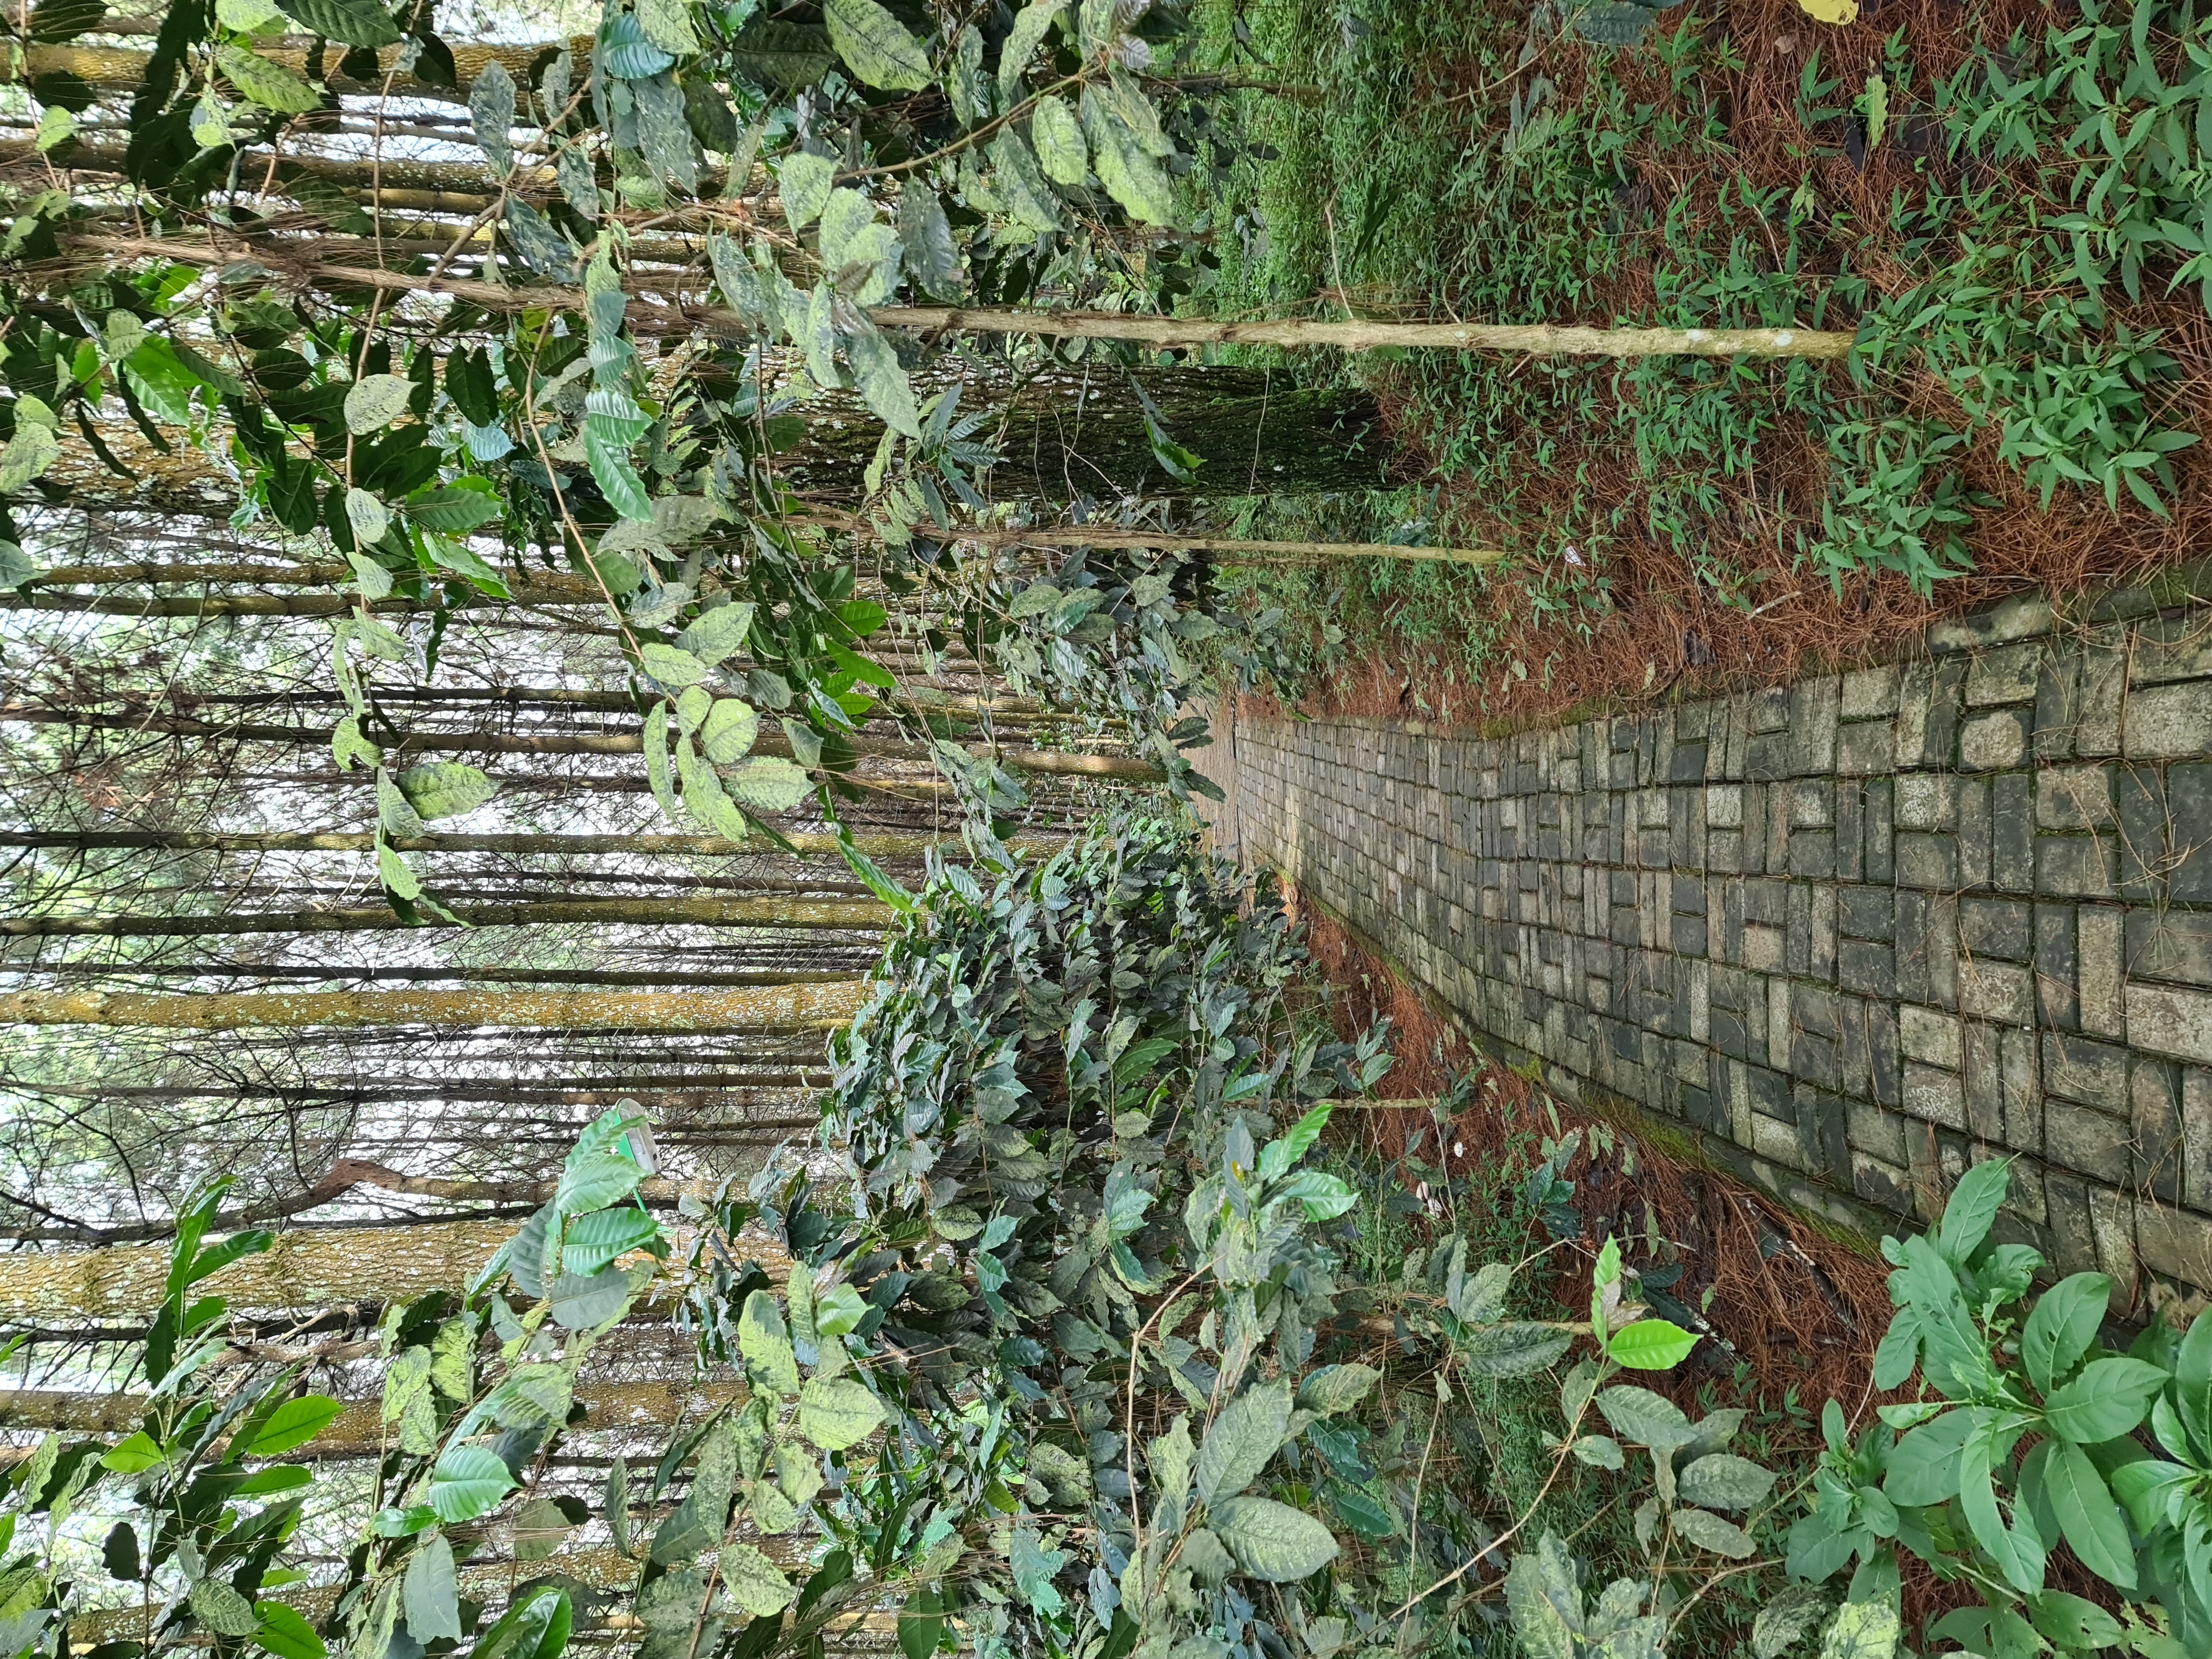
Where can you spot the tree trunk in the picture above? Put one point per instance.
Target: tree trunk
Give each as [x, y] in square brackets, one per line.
[874, 844]
[361, 1428]
[759, 1008]
[323, 1271]
[771, 741]
[662, 912]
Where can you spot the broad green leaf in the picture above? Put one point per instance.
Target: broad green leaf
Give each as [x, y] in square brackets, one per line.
[730, 728]
[756, 1583]
[542, 248]
[1972, 1208]
[1321, 1196]
[611, 426]
[1709, 1531]
[1031, 24]
[667, 24]
[1924, 1466]
[876, 45]
[2018, 1551]
[2074, 1623]
[132, 1457]
[429, 1594]
[1724, 1481]
[278, 1477]
[2193, 1378]
[368, 516]
[540, 1529]
[883, 383]
[837, 1412]
[665, 136]
[1651, 1344]
[2061, 1326]
[1787, 1616]
[592, 1180]
[1334, 1388]
[1862, 1630]
[932, 258]
[838, 1312]
[2087, 1514]
[718, 634]
[1600, 1451]
[2106, 1400]
[1242, 1440]
[671, 665]
[408, 1402]
[293, 1424]
[269, 85]
[15, 566]
[803, 183]
[767, 783]
[355, 22]
[1644, 1418]
[283, 1633]
[1058, 138]
[491, 116]
[591, 1241]
[27, 456]
[656, 759]
[583, 1302]
[445, 789]
[468, 1481]
[220, 1608]
[1019, 182]
[921, 1624]
[766, 1345]
[1513, 1349]
[375, 401]
[1545, 1601]
[1131, 177]
[1272, 1541]
[453, 510]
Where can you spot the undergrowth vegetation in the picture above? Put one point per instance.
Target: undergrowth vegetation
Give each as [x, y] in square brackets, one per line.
[2008, 203]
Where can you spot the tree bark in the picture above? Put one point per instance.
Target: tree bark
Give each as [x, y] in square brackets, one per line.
[771, 1007]
[367, 1267]
[662, 912]
[361, 1428]
[874, 844]
[771, 741]
[116, 68]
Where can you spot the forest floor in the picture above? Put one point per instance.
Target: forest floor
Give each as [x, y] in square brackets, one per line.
[1676, 527]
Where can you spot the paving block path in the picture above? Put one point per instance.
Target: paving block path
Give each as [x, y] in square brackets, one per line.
[1853, 932]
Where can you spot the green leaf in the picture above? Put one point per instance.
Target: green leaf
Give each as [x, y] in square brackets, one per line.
[921, 1624]
[932, 258]
[2061, 1326]
[542, 248]
[718, 634]
[468, 1481]
[1031, 24]
[375, 401]
[1600, 1451]
[731, 727]
[1513, 1349]
[1059, 140]
[2192, 1377]
[1272, 1541]
[1709, 1531]
[1972, 1208]
[429, 1594]
[767, 783]
[269, 85]
[1862, 1630]
[278, 1477]
[1320, 1196]
[1131, 177]
[2087, 1515]
[1723, 1481]
[583, 1302]
[838, 1311]
[883, 384]
[293, 1424]
[491, 116]
[368, 516]
[355, 22]
[2017, 1551]
[667, 24]
[538, 1531]
[591, 1241]
[445, 789]
[1644, 1418]
[453, 509]
[220, 1608]
[611, 427]
[132, 1457]
[754, 1582]
[2107, 1399]
[1924, 1466]
[1787, 1615]
[283, 1633]
[1651, 1344]
[27, 456]
[671, 665]
[2073, 1623]
[1334, 1388]
[1248, 1432]
[837, 1412]
[876, 47]
[781, 57]
[1034, 1568]
[766, 1345]
[803, 183]
[1545, 1601]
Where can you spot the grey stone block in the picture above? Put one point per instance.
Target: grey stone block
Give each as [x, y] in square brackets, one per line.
[2074, 866]
[2172, 944]
[1995, 742]
[2168, 1020]
[2057, 996]
[2168, 722]
[2154, 1115]
[1996, 927]
[2094, 1074]
[2082, 1139]
[1880, 854]
[2003, 676]
[1928, 860]
[2188, 862]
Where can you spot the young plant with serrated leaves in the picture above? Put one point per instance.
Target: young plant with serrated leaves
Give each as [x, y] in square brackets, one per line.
[2030, 1435]
[208, 1509]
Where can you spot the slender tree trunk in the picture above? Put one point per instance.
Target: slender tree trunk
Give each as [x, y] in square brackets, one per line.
[771, 741]
[361, 1428]
[875, 844]
[115, 69]
[610, 979]
[777, 1007]
[662, 912]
